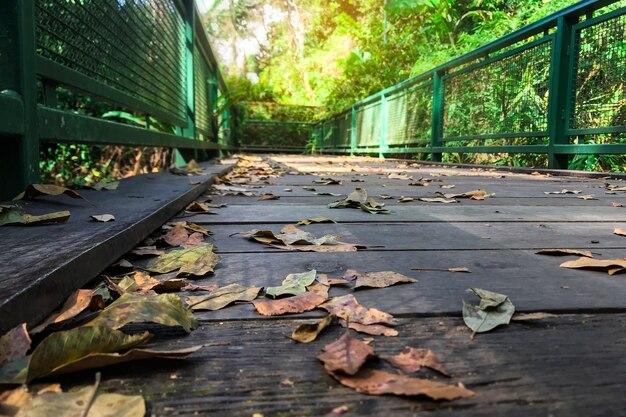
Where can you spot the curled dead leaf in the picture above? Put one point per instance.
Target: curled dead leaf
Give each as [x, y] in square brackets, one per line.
[347, 354]
[412, 360]
[565, 252]
[308, 332]
[291, 305]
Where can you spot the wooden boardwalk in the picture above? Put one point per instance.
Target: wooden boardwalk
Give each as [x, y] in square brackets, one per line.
[571, 364]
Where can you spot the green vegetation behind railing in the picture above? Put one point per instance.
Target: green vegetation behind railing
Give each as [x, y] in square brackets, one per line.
[553, 91]
[148, 61]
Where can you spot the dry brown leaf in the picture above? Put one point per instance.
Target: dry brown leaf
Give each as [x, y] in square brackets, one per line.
[193, 287]
[222, 297]
[532, 316]
[412, 360]
[14, 344]
[381, 279]
[438, 200]
[447, 187]
[145, 282]
[403, 199]
[619, 232]
[564, 191]
[479, 194]
[348, 308]
[347, 354]
[291, 305]
[319, 289]
[308, 332]
[375, 382]
[586, 197]
[319, 219]
[373, 329]
[76, 303]
[36, 190]
[610, 265]
[268, 196]
[350, 275]
[198, 207]
[565, 252]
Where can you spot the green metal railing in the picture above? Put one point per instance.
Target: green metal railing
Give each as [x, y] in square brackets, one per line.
[148, 57]
[555, 87]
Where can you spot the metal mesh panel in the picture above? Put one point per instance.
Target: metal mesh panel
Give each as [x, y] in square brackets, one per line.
[275, 134]
[368, 125]
[509, 95]
[409, 115]
[201, 97]
[135, 46]
[600, 87]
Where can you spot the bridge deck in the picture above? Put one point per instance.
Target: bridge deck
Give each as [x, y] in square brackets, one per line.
[568, 364]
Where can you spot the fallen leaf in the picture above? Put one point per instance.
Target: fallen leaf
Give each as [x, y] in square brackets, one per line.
[105, 186]
[395, 176]
[327, 181]
[458, 269]
[403, 199]
[563, 192]
[412, 360]
[82, 402]
[62, 348]
[565, 252]
[479, 194]
[586, 197]
[198, 207]
[494, 310]
[612, 266]
[192, 168]
[290, 235]
[381, 279]
[308, 332]
[222, 297]
[348, 308]
[617, 204]
[193, 287]
[147, 251]
[447, 187]
[339, 410]
[358, 199]
[438, 200]
[532, 316]
[327, 193]
[375, 382]
[339, 247]
[319, 289]
[103, 217]
[319, 219]
[620, 232]
[293, 284]
[193, 259]
[192, 227]
[386, 197]
[297, 304]
[36, 190]
[268, 196]
[14, 214]
[205, 263]
[145, 282]
[347, 354]
[163, 309]
[373, 329]
[14, 344]
[75, 304]
[350, 275]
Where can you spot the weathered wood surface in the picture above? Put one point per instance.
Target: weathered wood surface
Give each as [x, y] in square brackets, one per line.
[47, 262]
[569, 365]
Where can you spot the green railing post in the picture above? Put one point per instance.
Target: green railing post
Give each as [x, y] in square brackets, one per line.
[437, 117]
[383, 147]
[19, 159]
[560, 84]
[190, 100]
[353, 132]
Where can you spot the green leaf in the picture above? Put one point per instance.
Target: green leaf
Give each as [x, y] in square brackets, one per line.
[494, 310]
[179, 258]
[222, 297]
[164, 309]
[294, 284]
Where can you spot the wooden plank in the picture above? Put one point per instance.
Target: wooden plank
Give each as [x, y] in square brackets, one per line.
[467, 211]
[442, 235]
[565, 366]
[534, 282]
[46, 263]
